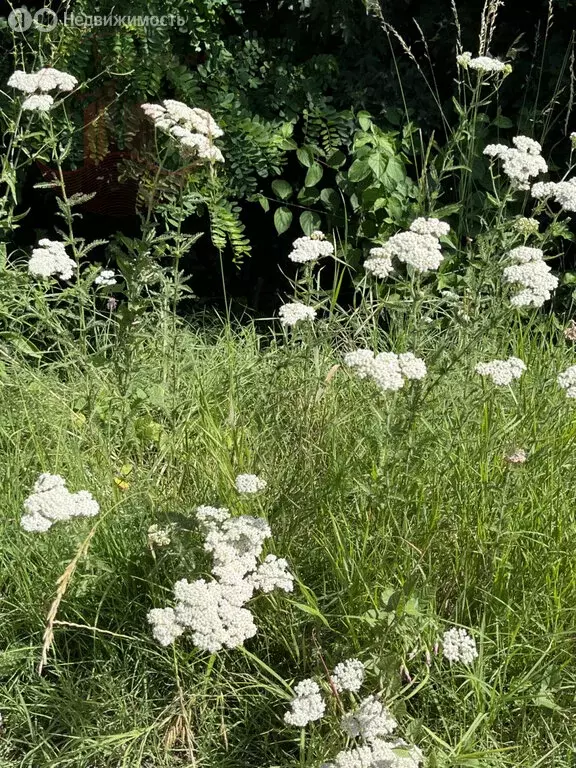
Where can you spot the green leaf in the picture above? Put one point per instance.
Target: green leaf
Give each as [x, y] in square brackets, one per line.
[282, 219]
[330, 198]
[447, 210]
[314, 175]
[336, 159]
[22, 344]
[305, 155]
[282, 189]
[358, 170]
[378, 164]
[309, 221]
[364, 120]
[264, 202]
[395, 169]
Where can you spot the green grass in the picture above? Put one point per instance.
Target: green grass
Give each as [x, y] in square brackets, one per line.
[397, 514]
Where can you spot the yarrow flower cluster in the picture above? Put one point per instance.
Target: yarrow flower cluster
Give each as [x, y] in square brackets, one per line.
[51, 259]
[517, 456]
[482, 63]
[532, 274]
[214, 611]
[348, 675]
[193, 129]
[307, 706]
[419, 247]
[294, 312]
[249, 484]
[526, 226]
[387, 369]
[502, 372]
[567, 380]
[38, 86]
[311, 248]
[459, 646]
[521, 162]
[106, 277]
[371, 723]
[562, 192]
[51, 502]
[158, 537]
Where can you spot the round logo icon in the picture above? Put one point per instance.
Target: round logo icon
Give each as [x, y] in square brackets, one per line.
[20, 19]
[45, 20]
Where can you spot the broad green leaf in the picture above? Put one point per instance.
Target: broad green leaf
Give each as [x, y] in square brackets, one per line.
[330, 198]
[282, 219]
[305, 155]
[502, 122]
[314, 175]
[378, 163]
[336, 159]
[358, 170]
[364, 120]
[310, 221]
[395, 169]
[282, 189]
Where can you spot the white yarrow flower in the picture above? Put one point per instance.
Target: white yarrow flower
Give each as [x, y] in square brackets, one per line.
[307, 706]
[38, 102]
[521, 162]
[50, 259]
[294, 312]
[370, 721]
[387, 369]
[459, 646]
[249, 484]
[485, 64]
[348, 675]
[106, 277]
[51, 502]
[272, 574]
[45, 80]
[311, 248]
[192, 128]
[567, 380]
[502, 372]
[562, 192]
[532, 274]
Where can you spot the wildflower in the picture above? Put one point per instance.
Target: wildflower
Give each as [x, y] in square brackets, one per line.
[518, 456]
[531, 273]
[379, 263]
[387, 369]
[370, 721]
[348, 675]
[311, 248]
[165, 628]
[215, 610]
[193, 129]
[484, 64]
[502, 372]
[526, 226]
[567, 380]
[307, 706]
[106, 277]
[249, 484]
[45, 80]
[521, 162]
[293, 313]
[458, 645]
[51, 259]
[111, 304]
[570, 331]
[50, 502]
[562, 192]
[42, 102]
[158, 537]
[573, 139]
[272, 574]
